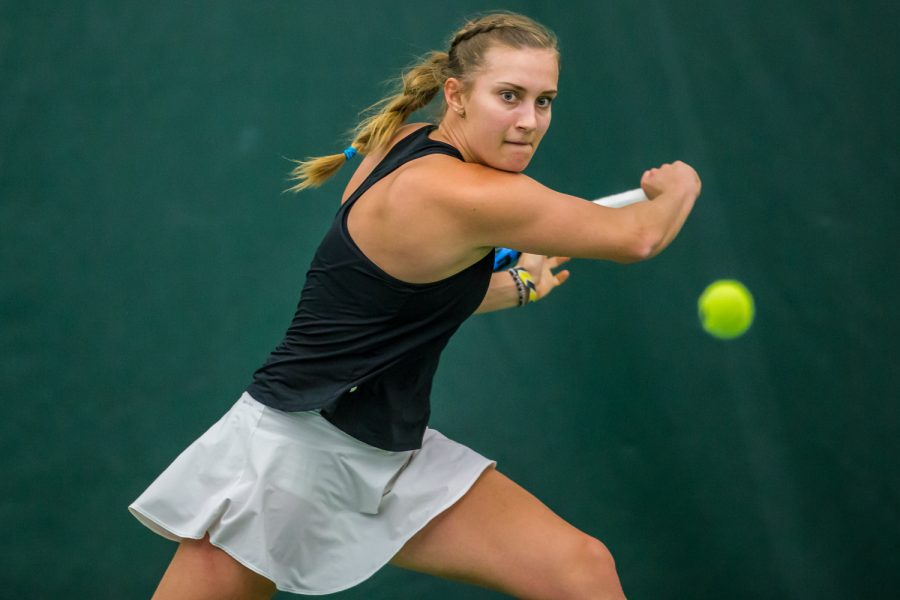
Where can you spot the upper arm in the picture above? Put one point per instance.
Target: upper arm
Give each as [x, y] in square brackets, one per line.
[512, 210]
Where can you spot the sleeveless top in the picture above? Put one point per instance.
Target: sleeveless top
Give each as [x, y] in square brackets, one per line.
[363, 346]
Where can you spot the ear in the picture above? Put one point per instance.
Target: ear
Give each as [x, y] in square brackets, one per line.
[453, 94]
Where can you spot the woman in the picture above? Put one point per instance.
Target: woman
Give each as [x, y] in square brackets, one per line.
[325, 469]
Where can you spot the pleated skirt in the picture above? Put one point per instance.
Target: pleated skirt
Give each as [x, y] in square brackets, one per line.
[297, 500]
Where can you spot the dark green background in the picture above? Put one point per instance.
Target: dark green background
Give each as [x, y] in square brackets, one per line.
[150, 262]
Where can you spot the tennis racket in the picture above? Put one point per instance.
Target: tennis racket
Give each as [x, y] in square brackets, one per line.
[505, 257]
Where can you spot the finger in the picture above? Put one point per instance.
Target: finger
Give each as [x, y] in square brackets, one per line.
[561, 277]
[555, 261]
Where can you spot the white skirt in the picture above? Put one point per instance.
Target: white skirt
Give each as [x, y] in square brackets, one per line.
[297, 500]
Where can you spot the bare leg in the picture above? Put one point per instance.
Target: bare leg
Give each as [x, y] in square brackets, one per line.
[501, 537]
[200, 571]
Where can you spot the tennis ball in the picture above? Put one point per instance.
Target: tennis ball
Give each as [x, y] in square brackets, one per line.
[726, 309]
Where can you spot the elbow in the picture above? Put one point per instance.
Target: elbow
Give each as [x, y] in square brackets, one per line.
[646, 248]
[641, 247]
[639, 239]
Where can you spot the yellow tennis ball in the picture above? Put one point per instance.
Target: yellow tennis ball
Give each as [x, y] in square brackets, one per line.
[726, 309]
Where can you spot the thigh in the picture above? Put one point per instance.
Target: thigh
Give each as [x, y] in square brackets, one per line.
[200, 571]
[501, 537]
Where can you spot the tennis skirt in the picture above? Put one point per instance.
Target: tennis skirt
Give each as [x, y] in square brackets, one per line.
[294, 498]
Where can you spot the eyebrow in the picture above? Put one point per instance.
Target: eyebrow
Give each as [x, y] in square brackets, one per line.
[519, 88]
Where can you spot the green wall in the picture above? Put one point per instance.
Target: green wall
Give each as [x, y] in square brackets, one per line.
[150, 262]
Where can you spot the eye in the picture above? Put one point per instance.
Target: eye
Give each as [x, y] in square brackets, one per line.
[508, 96]
[544, 101]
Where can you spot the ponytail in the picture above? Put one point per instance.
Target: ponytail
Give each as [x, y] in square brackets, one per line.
[418, 87]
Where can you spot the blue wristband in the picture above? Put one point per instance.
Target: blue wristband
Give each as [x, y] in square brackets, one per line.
[505, 258]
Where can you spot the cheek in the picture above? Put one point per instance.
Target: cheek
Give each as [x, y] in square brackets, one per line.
[545, 122]
[493, 130]
[499, 121]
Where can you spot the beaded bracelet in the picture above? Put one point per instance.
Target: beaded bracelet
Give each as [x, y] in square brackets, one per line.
[524, 285]
[520, 287]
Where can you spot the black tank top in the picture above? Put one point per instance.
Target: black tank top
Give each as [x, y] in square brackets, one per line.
[363, 346]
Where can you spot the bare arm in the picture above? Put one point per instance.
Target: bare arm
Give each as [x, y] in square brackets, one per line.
[496, 208]
[502, 292]
[667, 182]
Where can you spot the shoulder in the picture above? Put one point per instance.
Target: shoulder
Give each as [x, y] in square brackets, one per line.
[464, 188]
[476, 201]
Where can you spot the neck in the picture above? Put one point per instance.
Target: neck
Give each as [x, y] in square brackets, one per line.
[450, 131]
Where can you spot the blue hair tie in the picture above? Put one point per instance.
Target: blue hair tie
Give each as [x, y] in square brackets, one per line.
[350, 152]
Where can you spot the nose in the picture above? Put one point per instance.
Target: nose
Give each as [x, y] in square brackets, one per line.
[527, 121]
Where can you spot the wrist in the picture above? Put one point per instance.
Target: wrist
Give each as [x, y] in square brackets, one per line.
[525, 286]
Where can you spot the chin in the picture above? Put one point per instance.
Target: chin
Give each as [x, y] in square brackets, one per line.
[517, 166]
[508, 165]
[513, 164]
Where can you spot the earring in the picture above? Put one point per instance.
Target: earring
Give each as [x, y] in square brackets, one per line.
[461, 112]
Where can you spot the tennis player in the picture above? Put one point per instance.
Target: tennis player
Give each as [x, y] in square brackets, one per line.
[325, 469]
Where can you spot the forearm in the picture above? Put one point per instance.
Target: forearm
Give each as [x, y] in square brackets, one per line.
[501, 293]
[670, 211]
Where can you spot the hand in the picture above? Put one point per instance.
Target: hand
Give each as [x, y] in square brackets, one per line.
[541, 269]
[671, 176]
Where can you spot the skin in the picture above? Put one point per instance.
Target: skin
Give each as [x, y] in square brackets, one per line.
[507, 108]
[502, 117]
[448, 213]
[434, 217]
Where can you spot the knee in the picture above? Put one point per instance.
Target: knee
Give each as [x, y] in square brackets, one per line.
[592, 574]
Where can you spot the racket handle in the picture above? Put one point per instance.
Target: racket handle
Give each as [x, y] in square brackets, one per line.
[623, 199]
[505, 258]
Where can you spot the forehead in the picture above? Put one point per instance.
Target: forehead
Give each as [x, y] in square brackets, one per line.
[530, 68]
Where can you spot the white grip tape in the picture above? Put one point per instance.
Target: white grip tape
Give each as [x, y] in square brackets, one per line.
[622, 199]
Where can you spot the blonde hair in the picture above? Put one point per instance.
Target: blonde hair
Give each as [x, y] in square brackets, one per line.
[419, 84]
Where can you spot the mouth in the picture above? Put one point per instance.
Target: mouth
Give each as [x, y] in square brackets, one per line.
[519, 143]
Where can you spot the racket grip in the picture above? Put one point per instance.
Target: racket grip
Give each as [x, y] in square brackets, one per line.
[623, 199]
